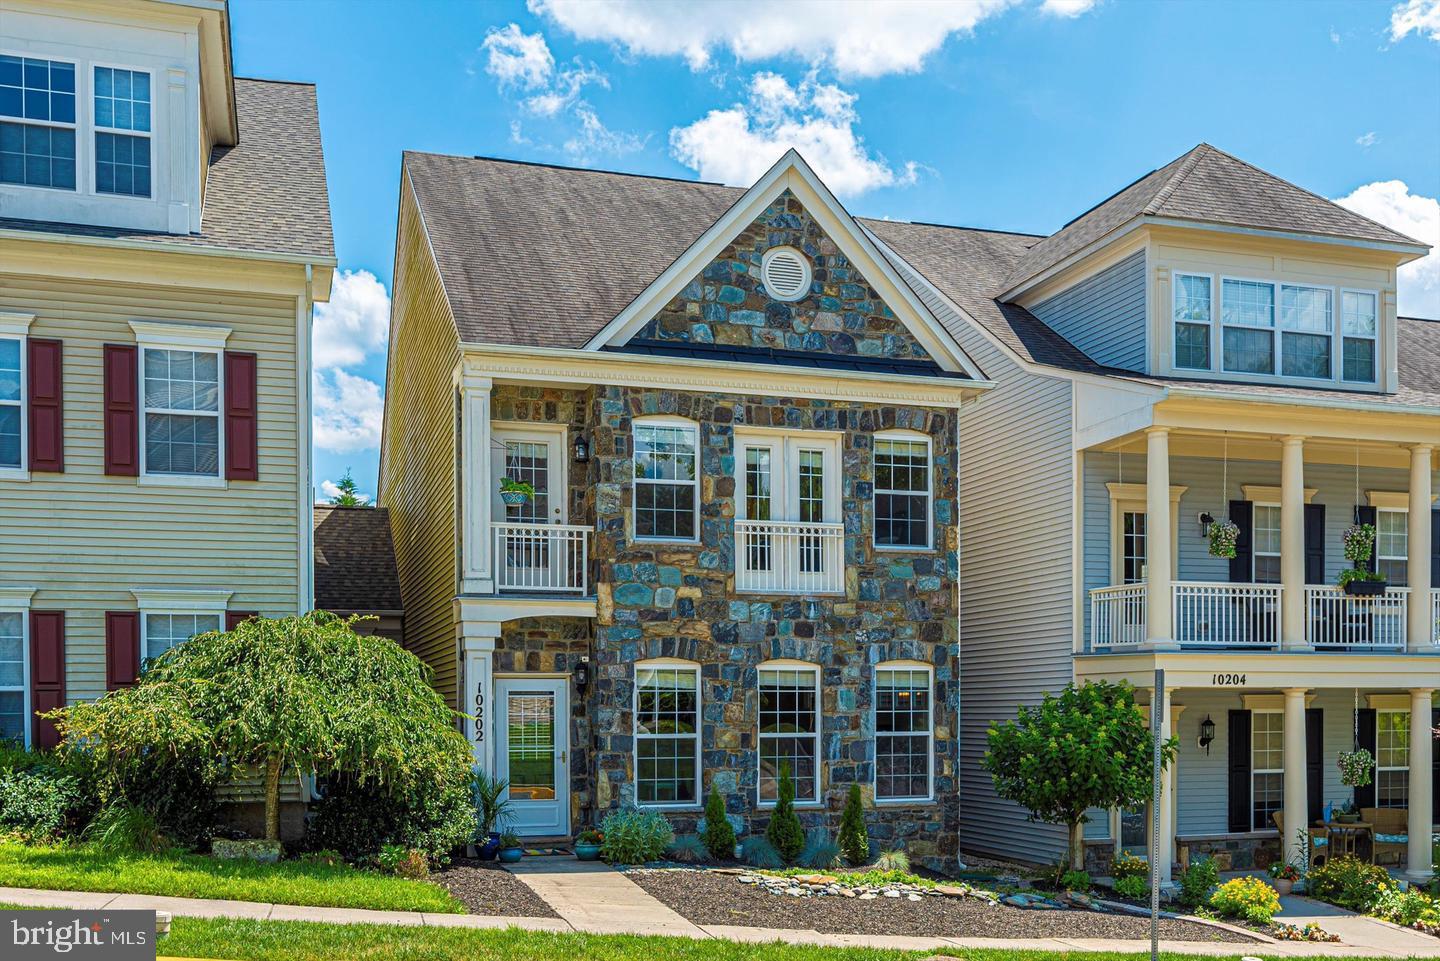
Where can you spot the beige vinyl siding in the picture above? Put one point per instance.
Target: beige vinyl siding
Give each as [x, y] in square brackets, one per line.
[84, 540]
[418, 457]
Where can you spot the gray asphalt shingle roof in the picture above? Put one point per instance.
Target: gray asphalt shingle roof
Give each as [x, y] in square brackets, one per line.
[355, 560]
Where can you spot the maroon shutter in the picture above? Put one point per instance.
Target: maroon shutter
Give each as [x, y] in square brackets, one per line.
[233, 618]
[122, 410]
[45, 403]
[122, 649]
[47, 673]
[241, 422]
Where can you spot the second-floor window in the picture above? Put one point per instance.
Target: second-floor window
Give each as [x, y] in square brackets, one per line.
[667, 480]
[181, 433]
[11, 402]
[1267, 543]
[1359, 326]
[1192, 321]
[1392, 545]
[37, 122]
[902, 492]
[122, 132]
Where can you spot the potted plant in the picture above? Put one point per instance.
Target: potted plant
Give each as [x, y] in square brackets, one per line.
[512, 848]
[1348, 813]
[1224, 535]
[1359, 547]
[1362, 583]
[492, 809]
[587, 845]
[1355, 767]
[1283, 877]
[515, 493]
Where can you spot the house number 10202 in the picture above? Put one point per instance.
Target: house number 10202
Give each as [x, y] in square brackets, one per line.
[1228, 680]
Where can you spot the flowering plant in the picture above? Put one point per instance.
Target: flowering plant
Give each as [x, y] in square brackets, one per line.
[1223, 537]
[1283, 872]
[1355, 767]
[1359, 540]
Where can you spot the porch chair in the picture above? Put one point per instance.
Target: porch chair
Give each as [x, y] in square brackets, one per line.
[1392, 832]
[1319, 839]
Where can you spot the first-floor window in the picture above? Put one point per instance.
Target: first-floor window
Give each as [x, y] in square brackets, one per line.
[902, 492]
[1392, 759]
[11, 400]
[182, 412]
[1267, 767]
[1392, 546]
[12, 676]
[790, 731]
[667, 735]
[164, 631]
[903, 753]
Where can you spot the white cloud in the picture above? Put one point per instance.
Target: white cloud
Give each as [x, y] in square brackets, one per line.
[348, 411]
[330, 490]
[1415, 16]
[565, 87]
[857, 39]
[354, 323]
[1392, 204]
[1367, 139]
[1334, 36]
[516, 58]
[1068, 8]
[595, 138]
[737, 145]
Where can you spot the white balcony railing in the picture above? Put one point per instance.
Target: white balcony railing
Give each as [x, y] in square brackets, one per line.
[1335, 619]
[788, 557]
[1117, 615]
[551, 558]
[1217, 614]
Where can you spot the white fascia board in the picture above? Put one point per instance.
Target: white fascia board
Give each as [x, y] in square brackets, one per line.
[164, 247]
[1413, 251]
[1369, 407]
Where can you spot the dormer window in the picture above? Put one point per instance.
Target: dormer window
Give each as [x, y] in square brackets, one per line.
[1359, 325]
[37, 122]
[122, 132]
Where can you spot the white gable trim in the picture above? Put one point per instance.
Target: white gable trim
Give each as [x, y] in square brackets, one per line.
[792, 173]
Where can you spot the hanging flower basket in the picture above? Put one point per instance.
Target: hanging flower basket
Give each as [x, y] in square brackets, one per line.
[1359, 541]
[1355, 767]
[515, 493]
[1362, 583]
[1223, 537]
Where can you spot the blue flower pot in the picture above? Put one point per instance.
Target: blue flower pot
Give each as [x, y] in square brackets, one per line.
[587, 852]
[511, 855]
[490, 847]
[514, 498]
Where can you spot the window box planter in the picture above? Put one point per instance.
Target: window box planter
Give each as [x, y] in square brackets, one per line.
[1365, 588]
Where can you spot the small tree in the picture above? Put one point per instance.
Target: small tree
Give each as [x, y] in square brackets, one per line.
[784, 831]
[349, 493]
[854, 841]
[305, 693]
[719, 834]
[1087, 748]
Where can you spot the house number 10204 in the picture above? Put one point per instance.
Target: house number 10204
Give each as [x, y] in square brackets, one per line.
[1228, 680]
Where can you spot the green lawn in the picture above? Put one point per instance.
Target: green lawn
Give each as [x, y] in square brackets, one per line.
[82, 868]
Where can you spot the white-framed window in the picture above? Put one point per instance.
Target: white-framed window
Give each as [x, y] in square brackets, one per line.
[903, 491]
[1392, 759]
[12, 402]
[789, 730]
[667, 734]
[37, 122]
[122, 117]
[1265, 543]
[666, 488]
[162, 630]
[1359, 331]
[1247, 317]
[14, 676]
[1307, 328]
[180, 432]
[1267, 767]
[1194, 320]
[1392, 545]
[904, 754]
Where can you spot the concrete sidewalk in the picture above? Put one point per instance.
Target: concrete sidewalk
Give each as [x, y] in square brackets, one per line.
[622, 915]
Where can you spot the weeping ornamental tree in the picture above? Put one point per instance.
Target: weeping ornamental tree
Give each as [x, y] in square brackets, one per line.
[304, 694]
[1090, 747]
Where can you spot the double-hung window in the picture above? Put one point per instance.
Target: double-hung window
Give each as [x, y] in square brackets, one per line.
[790, 730]
[163, 631]
[903, 733]
[1307, 327]
[1194, 320]
[1266, 543]
[1267, 767]
[667, 735]
[902, 491]
[667, 480]
[1247, 317]
[13, 687]
[12, 394]
[1392, 546]
[37, 122]
[182, 412]
[1392, 759]
[122, 132]
[1359, 329]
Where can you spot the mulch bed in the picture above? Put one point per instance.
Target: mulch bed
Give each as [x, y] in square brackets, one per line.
[706, 897]
[486, 888]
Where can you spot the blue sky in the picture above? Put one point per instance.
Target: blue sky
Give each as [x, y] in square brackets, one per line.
[1011, 114]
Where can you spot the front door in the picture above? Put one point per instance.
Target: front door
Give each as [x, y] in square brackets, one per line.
[534, 753]
[526, 557]
[790, 479]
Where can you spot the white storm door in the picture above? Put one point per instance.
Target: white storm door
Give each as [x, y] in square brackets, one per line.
[526, 557]
[534, 753]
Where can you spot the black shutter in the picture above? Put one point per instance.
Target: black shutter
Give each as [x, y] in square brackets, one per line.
[1242, 568]
[1315, 762]
[1367, 515]
[1241, 815]
[1365, 726]
[1314, 543]
[1435, 569]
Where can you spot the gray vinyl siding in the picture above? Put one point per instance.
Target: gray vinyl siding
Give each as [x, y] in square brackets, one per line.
[1015, 575]
[1104, 315]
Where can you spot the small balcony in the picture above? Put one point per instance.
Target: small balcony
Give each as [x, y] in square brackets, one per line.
[788, 557]
[542, 558]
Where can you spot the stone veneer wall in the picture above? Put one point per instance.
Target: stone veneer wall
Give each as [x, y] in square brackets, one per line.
[727, 304]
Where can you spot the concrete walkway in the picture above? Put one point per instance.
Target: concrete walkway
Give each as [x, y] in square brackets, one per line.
[622, 913]
[1368, 934]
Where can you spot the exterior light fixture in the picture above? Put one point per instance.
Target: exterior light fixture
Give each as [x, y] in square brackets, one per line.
[582, 449]
[1206, 519]
[1207, 733]
[582, 674]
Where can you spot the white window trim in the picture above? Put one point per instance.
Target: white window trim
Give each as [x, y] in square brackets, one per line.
[668, 663]
[1405, 746]
[1211, 325]
[183, 337]
[1373, 338]
[814, 670]
[1274, 327]
[635, 482]
[1256, 553]
[79, 126]
[1254, 770]
[17, 325]
[16, 600]
[213, 603]
[929, 797]
[94, 129]
[1405, 512]
[1130, 498]
[929, 442]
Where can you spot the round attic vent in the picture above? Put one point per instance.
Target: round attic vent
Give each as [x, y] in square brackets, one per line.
[785, 272]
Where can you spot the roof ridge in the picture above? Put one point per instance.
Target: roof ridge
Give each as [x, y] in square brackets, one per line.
[288, 83]
[567, 167]
[1191, 158]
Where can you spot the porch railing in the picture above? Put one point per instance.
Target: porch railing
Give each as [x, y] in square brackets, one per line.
[1117, 615]
[550, 558]
[1334, 619]
[788, 557]
[1219, 614]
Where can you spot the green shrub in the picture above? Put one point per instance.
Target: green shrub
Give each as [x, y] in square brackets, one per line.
[16, 757]
[178, 793]
[784, 831]
[689, 849]
[358, 819]
[403, 862]
[1127, 865]
[896, 860]
[1248, 898]
[1407, 907]
[1133, 887]
[1348, 882]
[37, 803]
[760, 853]
[1075, 881]
[820, 851]
[123, 827]
[719, 834]
[1197, 881]
[634, 837]
[854, 841]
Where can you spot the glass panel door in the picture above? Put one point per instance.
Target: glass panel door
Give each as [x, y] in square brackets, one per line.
[525, 556]
[534, 758]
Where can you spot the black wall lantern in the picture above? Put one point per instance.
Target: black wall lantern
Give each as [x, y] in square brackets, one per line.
[1207, 733]
[582, 675]
[582, 449]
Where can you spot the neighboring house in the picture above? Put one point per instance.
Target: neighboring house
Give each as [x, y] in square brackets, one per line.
[164, 234]
[355, 568]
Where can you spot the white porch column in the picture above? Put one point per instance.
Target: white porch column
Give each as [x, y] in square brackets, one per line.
[1421, 629]
[1166, 860]
[477, 692]
[1419, 864]
[1297, 803]
[1292, 545]
[1159, 626]
[475, 483]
